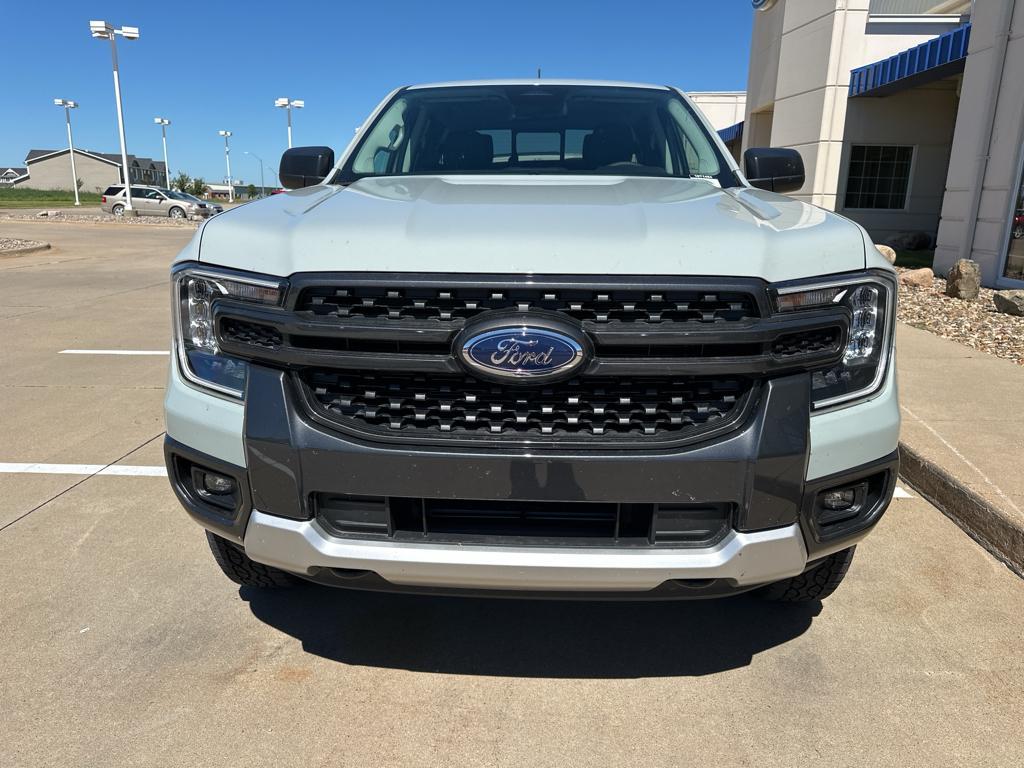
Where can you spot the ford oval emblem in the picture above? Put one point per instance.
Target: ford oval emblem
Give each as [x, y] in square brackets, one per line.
[522, 352]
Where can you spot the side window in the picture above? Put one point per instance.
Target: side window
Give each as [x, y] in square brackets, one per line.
[384, 141]
[574, 138]
[697, 150]
[111, 191]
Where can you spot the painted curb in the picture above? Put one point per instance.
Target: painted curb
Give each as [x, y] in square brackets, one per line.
[993, 528]
[25, 251]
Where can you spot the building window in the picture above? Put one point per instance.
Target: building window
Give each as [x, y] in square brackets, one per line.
[878, 177]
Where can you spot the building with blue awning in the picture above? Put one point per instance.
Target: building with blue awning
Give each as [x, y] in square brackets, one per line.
[907, 114]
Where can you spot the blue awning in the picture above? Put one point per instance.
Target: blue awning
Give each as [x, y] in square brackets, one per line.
[733, 132]
[940, 57]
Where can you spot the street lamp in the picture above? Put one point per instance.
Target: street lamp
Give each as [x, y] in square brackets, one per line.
[227, 159]
[163, 122]
[68, 106]
[102, 30]
[288, 104]
[262, 187]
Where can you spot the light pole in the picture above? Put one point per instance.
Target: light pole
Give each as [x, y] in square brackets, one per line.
[288, 104]
[262, 187]
[103, 30]
[163, 122]
[68, 106]
[227, 159]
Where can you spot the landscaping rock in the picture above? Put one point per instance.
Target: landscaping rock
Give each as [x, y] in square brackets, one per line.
[964, 280]
[1009, 302]
[887, 252]
[918, 278]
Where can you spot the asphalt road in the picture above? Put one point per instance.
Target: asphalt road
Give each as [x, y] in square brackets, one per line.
[122, 644]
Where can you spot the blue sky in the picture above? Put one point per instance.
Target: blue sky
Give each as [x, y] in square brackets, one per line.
[219, 65]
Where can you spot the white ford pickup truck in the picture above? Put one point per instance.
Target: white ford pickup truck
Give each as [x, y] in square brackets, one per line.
[535, 338]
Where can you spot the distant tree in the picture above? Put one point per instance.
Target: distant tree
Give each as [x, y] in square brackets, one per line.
[198, 186]
[182, 182]
[79, 182]
[250, 191]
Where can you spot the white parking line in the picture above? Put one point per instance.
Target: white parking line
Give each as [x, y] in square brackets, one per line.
[114, 352]
[81, 469]
[901, 493]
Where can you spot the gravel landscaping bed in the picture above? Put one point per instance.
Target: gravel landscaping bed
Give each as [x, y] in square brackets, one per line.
[16, 244]
[974, 323]
[148, 221]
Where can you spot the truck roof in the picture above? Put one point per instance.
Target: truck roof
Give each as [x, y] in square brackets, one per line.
[536, 81]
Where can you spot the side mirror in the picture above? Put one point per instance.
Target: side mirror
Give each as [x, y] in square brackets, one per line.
[777, 170]
[305, 166]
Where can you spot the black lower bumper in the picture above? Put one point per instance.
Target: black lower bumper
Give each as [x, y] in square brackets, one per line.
[757, 472]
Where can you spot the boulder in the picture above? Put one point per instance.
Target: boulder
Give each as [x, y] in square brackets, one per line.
[1010, 302]
[964, 280]
[918, 278]
[887, 252]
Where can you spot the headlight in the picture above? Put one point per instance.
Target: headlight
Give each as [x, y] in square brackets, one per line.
[871, 301]
[194, 292]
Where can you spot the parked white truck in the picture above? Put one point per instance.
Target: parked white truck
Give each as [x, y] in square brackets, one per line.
[535, 338]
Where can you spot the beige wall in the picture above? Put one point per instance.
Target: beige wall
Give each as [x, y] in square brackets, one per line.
[55, 173]
[984, 80]
[923, 118]
[802, 52]
[721, 108]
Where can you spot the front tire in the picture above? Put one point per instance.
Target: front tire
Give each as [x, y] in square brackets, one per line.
[238, 567]
[176, 213]
[815, 584]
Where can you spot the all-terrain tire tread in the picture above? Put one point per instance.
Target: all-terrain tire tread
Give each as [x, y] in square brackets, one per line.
[242, 570]
[816, 584]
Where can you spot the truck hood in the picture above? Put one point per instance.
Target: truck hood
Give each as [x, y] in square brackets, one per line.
[534, 224]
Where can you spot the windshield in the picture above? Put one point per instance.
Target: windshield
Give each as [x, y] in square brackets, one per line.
[537, 129]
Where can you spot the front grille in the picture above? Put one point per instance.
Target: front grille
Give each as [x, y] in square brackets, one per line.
[522, 523]
[807, 342]
[460, 303]
[421, 405]
[252, 334]
[673, 359]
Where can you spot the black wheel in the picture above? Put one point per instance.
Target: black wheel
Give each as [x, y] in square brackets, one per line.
[176, 213]
[240, 569]
[1018, 232]
[117, 210]
[816, 584]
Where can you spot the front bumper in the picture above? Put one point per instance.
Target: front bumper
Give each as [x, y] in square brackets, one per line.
[743, 559]
[762, 469]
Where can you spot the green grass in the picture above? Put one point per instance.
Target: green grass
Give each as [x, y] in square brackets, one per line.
[22, 197]
[914, 259]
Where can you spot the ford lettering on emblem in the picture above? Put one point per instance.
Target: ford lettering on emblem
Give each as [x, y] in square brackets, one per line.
[522, 352]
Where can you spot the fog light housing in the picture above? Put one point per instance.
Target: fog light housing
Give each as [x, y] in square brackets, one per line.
[838, 504]
[839, 500]
[220, 485]
[214, 488]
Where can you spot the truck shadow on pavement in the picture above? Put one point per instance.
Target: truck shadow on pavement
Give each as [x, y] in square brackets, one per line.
[529, 638]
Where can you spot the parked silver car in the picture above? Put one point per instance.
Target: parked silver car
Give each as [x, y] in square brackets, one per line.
[155, 201]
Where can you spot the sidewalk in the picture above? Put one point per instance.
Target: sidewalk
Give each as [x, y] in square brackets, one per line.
[962, 441]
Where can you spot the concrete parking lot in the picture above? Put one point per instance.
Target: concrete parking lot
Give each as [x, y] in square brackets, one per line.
[122, 644]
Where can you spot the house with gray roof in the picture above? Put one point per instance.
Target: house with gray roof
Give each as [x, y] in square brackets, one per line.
[11, 175]
[51, 169]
